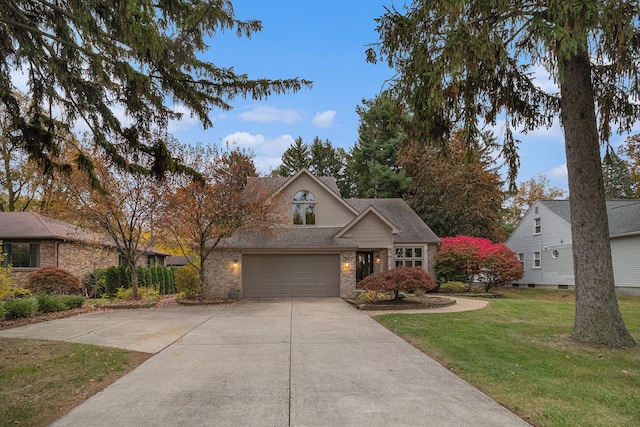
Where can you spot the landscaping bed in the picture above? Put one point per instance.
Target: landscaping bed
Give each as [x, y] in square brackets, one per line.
[409, 303]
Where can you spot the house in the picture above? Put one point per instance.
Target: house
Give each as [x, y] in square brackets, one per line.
[542, 242]
[325, 246]
[31, 240]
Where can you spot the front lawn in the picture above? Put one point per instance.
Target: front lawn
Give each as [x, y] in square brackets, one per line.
[517, 351]
[42, 380]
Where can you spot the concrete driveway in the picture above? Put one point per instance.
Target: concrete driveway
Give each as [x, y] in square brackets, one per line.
[311, 362]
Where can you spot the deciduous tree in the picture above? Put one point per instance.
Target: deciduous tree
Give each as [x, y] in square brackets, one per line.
[457, 191]
[127, 209]
[617, 177]
[84, 60]
[467, 258]
[459, 63]
[200, 213]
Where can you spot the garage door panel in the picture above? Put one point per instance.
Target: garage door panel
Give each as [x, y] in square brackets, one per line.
[274, 276]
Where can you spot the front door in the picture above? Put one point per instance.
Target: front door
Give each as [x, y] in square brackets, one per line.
[364, 265]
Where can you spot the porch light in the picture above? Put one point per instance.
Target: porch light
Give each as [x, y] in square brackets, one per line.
[345, 262]
[235, 263]
[377, 259]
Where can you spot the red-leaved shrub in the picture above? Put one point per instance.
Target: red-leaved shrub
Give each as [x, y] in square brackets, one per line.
[53, 280]
[406, 279]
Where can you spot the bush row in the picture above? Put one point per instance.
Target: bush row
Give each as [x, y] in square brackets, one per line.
[107, 281]
[15, 308]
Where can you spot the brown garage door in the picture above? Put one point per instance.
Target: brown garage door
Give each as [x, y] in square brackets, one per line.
[280, 276]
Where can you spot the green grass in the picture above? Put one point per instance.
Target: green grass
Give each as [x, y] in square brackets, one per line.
[42, 380]
[518, 351]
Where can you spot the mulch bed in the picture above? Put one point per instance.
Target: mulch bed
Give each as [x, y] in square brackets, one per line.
[404, 304]
[204, 301]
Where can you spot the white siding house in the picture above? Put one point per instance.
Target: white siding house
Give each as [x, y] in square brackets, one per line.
[542, 241]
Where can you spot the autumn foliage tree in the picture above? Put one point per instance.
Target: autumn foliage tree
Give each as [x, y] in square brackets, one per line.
[202, 212]
[399, 279]
[465, 257]
[455, 189]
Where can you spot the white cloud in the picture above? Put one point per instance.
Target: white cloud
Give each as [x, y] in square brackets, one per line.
[559, 172]
[268, 151]
[186, 122]
[265, 114]
[324, 119]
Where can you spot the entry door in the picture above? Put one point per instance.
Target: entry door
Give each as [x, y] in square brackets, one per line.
[364, 265]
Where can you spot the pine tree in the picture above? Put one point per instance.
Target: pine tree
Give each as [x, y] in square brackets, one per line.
[617, 178]
[458, 63]
[86, 59]
[295, 157]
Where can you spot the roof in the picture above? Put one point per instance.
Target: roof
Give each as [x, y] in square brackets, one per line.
[624, 215]
[411, 227]
[272, 183]
[35, 226]
[291, 238]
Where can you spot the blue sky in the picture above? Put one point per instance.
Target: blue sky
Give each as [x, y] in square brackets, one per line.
[324, 42]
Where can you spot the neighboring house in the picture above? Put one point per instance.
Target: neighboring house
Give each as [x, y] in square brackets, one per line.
[542, 242]
[327, 245]
[176, 261]
[31, 241]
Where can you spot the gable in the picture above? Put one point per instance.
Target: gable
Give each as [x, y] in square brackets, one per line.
[370, 231]
[331, 210]
[554, 230]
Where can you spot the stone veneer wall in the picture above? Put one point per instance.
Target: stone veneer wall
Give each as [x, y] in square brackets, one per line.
[221, 275]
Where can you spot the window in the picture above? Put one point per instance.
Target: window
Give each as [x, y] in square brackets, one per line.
[537, 261]
[409, 257]
[537, 226]
[521, 258]
[304, 208]
[21, 255]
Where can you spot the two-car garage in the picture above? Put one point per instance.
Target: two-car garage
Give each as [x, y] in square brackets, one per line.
[290, 275]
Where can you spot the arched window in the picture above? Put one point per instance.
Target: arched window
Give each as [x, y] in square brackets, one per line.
[304, 208]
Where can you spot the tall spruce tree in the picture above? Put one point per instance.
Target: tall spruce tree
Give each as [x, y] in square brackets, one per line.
[86, 59]
[294, 158]
[461, 62]
[373, 167]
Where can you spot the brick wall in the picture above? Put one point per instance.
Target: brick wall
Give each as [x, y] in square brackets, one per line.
[348, 274]
[222, 275]
[76, 258]
[80, 260]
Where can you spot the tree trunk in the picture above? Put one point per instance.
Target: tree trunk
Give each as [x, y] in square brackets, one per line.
[598, 319]
[134, 280]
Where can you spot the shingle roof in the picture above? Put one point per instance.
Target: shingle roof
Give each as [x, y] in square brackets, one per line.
[291, 238]
[624, 215]
[412, 228]
[273, 183]
[34, 226]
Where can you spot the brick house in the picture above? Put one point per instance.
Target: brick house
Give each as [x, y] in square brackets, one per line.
[325, 247]
[31, 240]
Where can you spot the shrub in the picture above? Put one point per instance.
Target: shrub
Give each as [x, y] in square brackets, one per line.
[19, 307]
[72, 301]
[97, 283]
[53, 280]
[399, 279]
[2, 310]
[49, 303]
[188, 281]
[144, 293]
[5, 278]
[466, 258]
